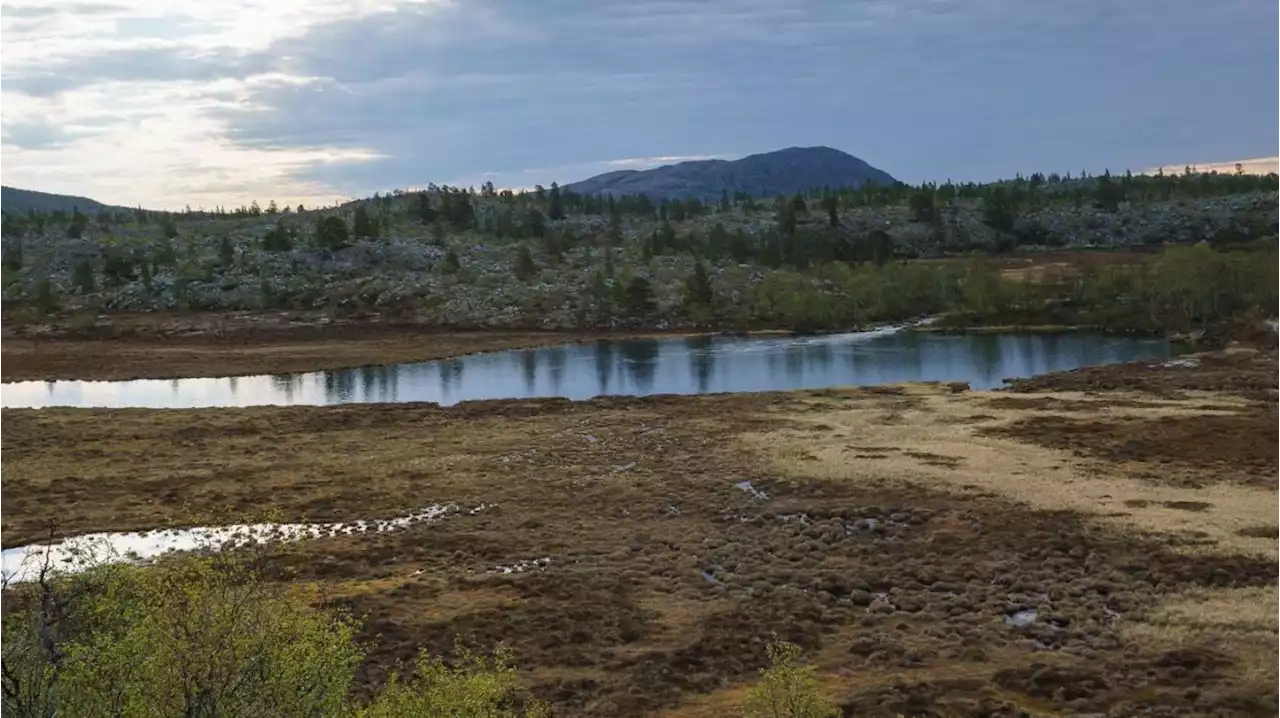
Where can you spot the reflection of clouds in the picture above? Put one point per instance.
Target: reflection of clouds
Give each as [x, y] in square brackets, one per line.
[680, 366]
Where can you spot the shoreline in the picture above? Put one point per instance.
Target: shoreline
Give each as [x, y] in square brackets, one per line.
[225, 345]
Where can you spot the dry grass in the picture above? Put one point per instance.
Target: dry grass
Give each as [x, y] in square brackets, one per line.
[899, 533]
[946, 442]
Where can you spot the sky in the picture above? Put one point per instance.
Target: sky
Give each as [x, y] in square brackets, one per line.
[167, 104]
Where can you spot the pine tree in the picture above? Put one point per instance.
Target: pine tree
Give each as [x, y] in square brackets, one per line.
[832, 205]
[46, 300]
[331, 233]
[451, 263]
[525, 268]
[639, 297]
[362, 225]
[601, 296]
[555, 208]
[698, 286]
[144, 268]
[278, 239]
[226, 250]
[75, 230]
[13, 256]
[534, 223]
[740, 248]
[82, 277]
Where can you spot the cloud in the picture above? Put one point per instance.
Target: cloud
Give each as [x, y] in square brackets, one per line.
[33, 135]
[326, 97]
[1256, 165]
[28, 11]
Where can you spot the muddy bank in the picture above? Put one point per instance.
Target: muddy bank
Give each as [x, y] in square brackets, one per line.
[175, 346]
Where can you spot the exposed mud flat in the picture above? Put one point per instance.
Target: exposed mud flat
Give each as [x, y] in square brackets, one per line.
[930, 556]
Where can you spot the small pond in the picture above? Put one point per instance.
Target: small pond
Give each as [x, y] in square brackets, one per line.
[692, 365]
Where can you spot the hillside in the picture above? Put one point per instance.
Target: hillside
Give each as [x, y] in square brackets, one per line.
[16, 201]
[560, 259]
[784, 172]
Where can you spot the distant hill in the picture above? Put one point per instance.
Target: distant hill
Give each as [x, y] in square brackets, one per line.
[782, 172]
[14, 200]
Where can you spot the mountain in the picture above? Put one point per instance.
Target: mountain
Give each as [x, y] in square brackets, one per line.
[14, 201]
[783, 172]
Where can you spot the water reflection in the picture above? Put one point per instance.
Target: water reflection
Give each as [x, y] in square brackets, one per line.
[529, 361]
[644, 366]
[641, 359]
[701, 360]
[604, 365]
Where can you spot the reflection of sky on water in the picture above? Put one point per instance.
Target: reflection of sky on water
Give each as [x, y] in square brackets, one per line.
[641, 366]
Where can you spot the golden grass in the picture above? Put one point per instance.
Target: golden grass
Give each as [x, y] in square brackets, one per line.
[940, 443]
[1239, 622]
[937, 444]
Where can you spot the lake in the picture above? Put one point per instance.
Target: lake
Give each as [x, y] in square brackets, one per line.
[693, 365]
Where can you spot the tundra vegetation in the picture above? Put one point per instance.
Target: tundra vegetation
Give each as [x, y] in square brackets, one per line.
[831, 259]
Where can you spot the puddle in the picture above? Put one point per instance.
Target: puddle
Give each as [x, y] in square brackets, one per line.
[1020, 619]
[750, 488]
[534, 564]
[78, 553]
[1183, 363]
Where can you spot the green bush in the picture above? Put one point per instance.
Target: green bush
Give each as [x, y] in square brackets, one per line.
[787, 689]
[210, 637]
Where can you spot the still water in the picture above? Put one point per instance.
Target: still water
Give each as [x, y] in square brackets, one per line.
[636, 367]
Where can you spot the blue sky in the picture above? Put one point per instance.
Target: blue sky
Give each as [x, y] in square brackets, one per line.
[168, 103]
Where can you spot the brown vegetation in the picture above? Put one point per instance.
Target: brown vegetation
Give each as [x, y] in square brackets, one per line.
[172, 346]
[904, 537]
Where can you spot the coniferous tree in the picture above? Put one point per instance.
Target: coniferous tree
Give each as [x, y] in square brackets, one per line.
[698, 286]
[555, 208]
[82, 277]
[331, 233]
[601, 296]
[534, 223]
[279, 239]
[525, 268]
[832, 205]
[451, 262]
[144, 269]
[739, 247]
[45, 297]
[13, 256]
[362, 225]
[639, 297]
[75, 229]
[226, 250]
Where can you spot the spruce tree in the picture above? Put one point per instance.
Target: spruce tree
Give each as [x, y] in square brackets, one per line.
[362, 225]
[639, 296]
[525, 268]
[82, 277]
[46, 300]
[555, 208]
[226, 250]
[698, 286]
[451, 263]
[331, 233]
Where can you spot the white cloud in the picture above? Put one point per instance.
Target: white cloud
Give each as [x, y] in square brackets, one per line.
[1257, 165]
[640, 163]
[97, 126]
